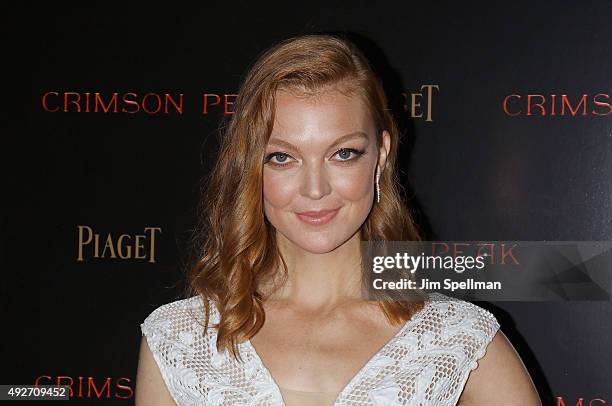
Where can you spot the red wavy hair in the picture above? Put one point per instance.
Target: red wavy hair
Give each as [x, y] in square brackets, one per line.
[235, 247]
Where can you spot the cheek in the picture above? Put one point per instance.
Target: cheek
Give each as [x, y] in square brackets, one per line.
[354, 185]
[278, 191]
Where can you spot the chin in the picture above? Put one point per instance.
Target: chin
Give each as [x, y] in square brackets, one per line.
[318, 244]
[315, 244]
[317, 248]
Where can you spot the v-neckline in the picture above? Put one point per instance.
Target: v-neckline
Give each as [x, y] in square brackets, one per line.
[353, 381]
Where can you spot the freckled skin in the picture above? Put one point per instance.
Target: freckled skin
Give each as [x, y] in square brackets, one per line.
[316, 175]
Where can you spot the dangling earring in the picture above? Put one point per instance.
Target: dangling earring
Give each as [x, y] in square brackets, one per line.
[377, 185]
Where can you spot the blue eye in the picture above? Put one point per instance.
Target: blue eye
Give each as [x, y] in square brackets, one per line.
[282, 159]
[345, 153]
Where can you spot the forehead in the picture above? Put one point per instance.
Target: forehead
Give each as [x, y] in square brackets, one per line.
[324, 116]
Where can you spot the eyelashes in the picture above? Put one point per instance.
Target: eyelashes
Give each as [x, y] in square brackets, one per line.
[353, 155]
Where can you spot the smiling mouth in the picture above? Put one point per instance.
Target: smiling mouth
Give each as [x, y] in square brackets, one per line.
[318, 217]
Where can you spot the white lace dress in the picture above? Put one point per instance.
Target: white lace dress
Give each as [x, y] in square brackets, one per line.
[426, 363]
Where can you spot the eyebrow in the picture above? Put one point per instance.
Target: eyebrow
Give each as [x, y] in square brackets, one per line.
[357, 134]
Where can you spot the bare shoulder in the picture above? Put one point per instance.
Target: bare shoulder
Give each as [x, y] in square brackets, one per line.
[500, 378]
[150, 386]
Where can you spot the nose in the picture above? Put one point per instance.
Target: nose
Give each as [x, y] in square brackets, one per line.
[314, 182]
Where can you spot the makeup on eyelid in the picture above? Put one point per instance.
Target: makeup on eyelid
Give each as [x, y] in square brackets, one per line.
[358, 154]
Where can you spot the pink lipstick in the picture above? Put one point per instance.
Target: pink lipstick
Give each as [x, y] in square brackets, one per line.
[319, 217]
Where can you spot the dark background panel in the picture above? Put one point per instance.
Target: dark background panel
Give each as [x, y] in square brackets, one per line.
[472, 173]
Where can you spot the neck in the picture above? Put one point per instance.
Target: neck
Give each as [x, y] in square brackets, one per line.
[320, 281]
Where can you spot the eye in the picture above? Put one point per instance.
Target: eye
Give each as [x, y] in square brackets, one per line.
[282, 158]
[345, 153]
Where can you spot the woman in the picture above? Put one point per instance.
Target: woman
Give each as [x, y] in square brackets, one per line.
[306, 171]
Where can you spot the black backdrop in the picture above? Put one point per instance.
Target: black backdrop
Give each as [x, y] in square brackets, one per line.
[476, 169]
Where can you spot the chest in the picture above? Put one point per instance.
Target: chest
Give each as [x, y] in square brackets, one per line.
[319, 355]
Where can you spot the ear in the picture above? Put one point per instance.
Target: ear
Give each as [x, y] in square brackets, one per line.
[384, 149]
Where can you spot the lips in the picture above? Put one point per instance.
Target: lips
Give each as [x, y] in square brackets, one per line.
[318, 217]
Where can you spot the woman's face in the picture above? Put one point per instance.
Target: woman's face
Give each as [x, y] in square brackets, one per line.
[322, 155]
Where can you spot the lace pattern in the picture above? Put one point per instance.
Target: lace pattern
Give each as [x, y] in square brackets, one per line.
[426, 363]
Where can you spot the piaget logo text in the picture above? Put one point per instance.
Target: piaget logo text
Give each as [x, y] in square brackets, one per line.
[122, 246]
[420, 104]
